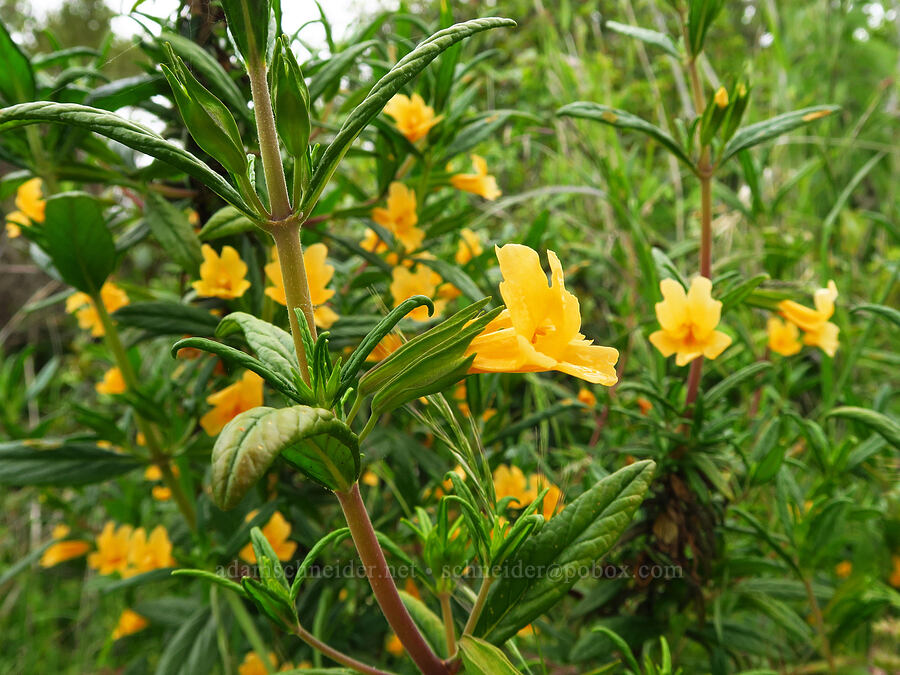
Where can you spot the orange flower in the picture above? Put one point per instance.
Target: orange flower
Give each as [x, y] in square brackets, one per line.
[843, 569]
[83, 307]
[62, 551]
[469, 246]
[14, 223]
[818, 331]
[277, 531]
[228, 403]
[147, 554]
[161, 493]
[387, 346]
[318, 275]
[253, 664]
[894, 579]
[479, 183]
[423, 281]
[130, 622]
[783, 337]
[688, 322]
[644, 405]
[371, 242]
[221, 277]
[412, 116]
[400, 216]
[113, 546]
[587, 397]
[393, 645]
[539, 329]
[31, 207]
[509, 481]
[112, 383]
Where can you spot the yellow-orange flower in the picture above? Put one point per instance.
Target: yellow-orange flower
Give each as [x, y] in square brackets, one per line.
[318, 276]
[231, 401]
[587, 397]
[31, 207]
[149, 553]
[372, 242]
[405, 284]
[61, 551]
[221, 276]
[539, 329]
[818, 331]
[112, 382]
[843, 569]
[113, 546]
[161, 493]
[479, 183]
[393, 645]
[130, 622]
[412, 117]
[386, 346]
[83, 307]
[688, 322]
[14, 223]
[509, 481]
[552, 501]
[400, 216]
[469, 246]
[277, 531]
[783, 337]
[894, 578]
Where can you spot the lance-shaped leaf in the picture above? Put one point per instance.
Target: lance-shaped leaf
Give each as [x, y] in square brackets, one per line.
[651, 37]
[60, 462]
[273, 346]
[16, 75]
[406, 69]
[173, 231]
[167, 318]
[226, 222]
[248, 24]
[763, 131]
[483, 658]
[311, 439]
[127, 133]
[624, 120]
[571, 541]
[888, 427]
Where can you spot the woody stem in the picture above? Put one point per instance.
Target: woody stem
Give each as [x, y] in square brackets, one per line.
[296, 286]
[120, 356]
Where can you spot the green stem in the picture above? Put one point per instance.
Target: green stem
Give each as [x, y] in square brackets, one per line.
[334, 654]
[268, 140]
[705, 172]
[447, 616]
[479, 605]
[378, 573]
[160, 458]
[249, 192]
[820, 623]
[296, 286]
[249, 630]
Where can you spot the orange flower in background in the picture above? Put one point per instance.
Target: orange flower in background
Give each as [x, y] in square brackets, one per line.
[277, 531]
[130, 622]
[161, 493]
[412, 116]
[400, 217]
[31, 207]
[843, 569]
[644, 405]
[146, 554]
[318, 275]
[539, 329]
[61, 551]
[112, 383]
[469, 246]
[83, 307]
[393, 645]
[587, 397]
[372, 242]
[405, 284]
[221, 276]
[113, 546]
[509, 481]
[818, 331]
[228, 403]
[273, 272]
[783, 337]
[688, 322]
[479, 183]
[385, 347]
[553, 500]
[14, 223]
[894, 578]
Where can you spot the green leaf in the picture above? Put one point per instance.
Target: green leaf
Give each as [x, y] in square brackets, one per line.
[427, 621]
[60, 462]
[747, 137]
[767, 454]
[624, 120]
[742, 291]
[333, 537]
[651, 37]
[483, 658]
[24, 563]
[735, 379]
[174, 233]
[272, 345]
[578, 536]
[455, 276]
[16, 76]
[125, 132]
[889, 313]
[248, 25]
[159, 317]
[179, 645]
[128, 91]
[405, 70]
[270, 603]
[310, 439]
[226, 222]
[884, 425]
[332, 72]
[211, 577]
[78, 241]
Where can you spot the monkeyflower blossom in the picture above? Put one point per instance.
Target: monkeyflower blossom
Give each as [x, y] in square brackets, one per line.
[393, 645]
[221, 276]
[228, 403]
[82, 305]
[509, 481]
[63, 549]
[818, 331]
[30, 207]
[540, 328]
[254, 665]
[469, 246]
[318, 276]
[405, 284]
[479, 183]
[400, 217]
[385, 347]
[277, 531]
[112, 382]
[587, 397]
[146, 554]
[783, 337]
[372, 242]
[843, 569]
[130, 622]
[412, 116]
[113, 546]
[688, 322]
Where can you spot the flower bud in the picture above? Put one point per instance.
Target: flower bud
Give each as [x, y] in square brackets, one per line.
[291, 100]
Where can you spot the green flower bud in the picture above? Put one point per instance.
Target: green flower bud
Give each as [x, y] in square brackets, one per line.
[291, 100]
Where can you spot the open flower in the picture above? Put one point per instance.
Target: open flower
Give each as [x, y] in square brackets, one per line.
[221, 276]
[113, 546]
[587, 397]
[539, 329]
[479, 183]
[385, 347]
[688, 322]
[130, 622]
[83, 307]
[149, 553]
[31, 207]
[405, 284]
[372, 242]
[818, 331]
[112, 382]
[783, 337]
[509, 481]
[412, 116]
[469, 246]
[318, 275]
[400, 216]
[277, 531]
[63, 550]
[228, 403]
